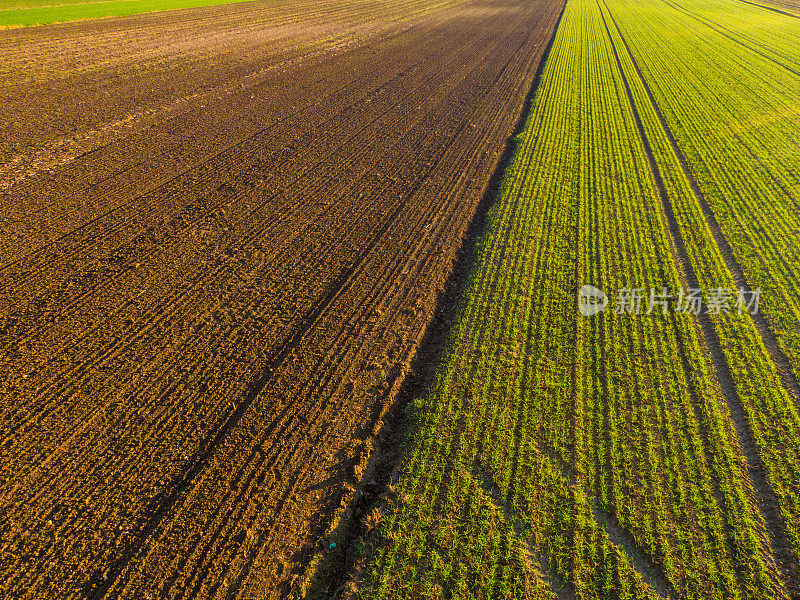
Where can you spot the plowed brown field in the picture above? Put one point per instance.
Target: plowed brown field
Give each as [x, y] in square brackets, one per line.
[223, 232]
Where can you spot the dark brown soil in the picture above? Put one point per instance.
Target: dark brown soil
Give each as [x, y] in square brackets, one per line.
[218, 253]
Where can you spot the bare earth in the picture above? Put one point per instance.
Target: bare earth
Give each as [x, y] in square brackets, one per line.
[223, 232]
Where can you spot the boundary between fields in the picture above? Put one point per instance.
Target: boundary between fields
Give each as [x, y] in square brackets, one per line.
[381, 471]
[160, 506]
[768, 504]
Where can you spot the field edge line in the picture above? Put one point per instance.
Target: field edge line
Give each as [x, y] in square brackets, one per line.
[384, 462]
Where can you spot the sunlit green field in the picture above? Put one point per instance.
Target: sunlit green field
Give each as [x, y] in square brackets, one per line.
[25, 13]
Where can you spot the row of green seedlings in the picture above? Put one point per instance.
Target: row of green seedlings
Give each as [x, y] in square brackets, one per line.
[761, 30]
[736, 114]
[657, 476]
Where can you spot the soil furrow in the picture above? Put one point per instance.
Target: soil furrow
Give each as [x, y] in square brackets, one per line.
[87, 425]
[150, 432]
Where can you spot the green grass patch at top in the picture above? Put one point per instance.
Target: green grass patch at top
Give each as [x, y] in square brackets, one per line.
[27, 13]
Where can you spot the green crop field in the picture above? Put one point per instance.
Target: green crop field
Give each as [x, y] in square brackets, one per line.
[623, 455]
[26, 13]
